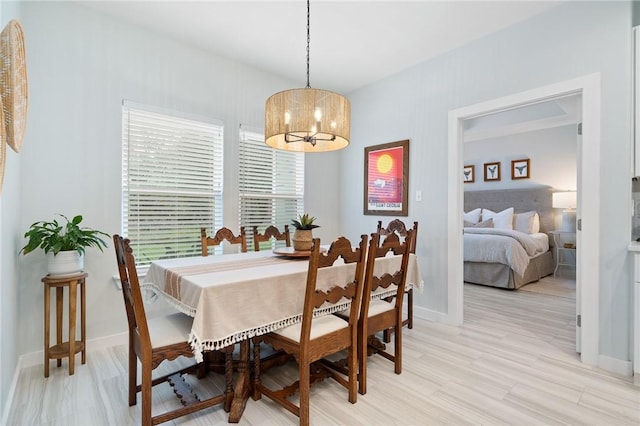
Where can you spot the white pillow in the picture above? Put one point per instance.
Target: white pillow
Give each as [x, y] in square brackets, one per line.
[528, 222]
[473, 216]
[501, 220]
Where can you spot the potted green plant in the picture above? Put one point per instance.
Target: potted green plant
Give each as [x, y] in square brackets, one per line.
[64, 243]
[302, 236]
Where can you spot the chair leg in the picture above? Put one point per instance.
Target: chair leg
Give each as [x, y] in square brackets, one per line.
[133, 377]
[410, 308]
[353, 372]
[397, 350]
[386, 335]
[304, 389]
[145, 413]
[362, 362]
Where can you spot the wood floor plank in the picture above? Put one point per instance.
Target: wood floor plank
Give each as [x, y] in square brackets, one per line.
[513, 362]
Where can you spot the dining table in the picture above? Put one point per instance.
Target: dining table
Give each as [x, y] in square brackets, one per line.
[234, 297]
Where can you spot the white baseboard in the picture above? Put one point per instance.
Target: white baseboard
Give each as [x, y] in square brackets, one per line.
[35, 358]
[616, 366]
[430, 315]
[12, 392]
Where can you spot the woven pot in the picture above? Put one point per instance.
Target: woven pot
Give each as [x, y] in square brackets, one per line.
[302, 240]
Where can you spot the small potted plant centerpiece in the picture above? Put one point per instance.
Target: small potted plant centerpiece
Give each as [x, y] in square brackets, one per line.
[302, 236]
[64, 243]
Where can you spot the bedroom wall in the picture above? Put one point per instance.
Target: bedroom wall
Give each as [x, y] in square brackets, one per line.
[552, 153]
[569, 41]
[81, 65]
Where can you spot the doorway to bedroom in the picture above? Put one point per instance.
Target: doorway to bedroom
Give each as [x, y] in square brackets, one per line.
[586, 93]
[540, 139]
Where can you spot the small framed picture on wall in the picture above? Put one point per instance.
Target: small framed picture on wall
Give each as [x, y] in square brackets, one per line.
[491, 171]
[469, 174]
[520, 169]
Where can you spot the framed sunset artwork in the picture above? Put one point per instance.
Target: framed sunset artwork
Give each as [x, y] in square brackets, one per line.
[386, 179]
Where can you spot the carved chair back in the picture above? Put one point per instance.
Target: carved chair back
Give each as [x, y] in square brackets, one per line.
[269, 233]
[133, 302]
[398, 227]
[314, 298]
[386, 314]
[221, 235]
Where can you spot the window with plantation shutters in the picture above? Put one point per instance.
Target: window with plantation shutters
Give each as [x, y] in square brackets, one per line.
[271, 185]
[171, 182]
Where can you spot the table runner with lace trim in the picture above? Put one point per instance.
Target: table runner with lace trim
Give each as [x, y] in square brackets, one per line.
[173, 276]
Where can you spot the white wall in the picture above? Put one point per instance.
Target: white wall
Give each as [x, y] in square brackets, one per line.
[9, 220]
[81, 65]
[572, 40]
[552, 154]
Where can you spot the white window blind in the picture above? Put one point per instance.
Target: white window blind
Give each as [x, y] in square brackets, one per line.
[171, 182]
[271, 185]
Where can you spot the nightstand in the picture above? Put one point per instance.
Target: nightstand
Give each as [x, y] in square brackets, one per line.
[565, 244]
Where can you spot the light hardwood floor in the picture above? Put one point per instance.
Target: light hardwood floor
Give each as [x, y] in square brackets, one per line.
[513, 362]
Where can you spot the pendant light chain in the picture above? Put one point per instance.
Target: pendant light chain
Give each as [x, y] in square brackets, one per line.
[308, 41]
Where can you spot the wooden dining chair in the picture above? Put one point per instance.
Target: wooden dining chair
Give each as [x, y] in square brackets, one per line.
[270, 232]
[398, 227]
[319, 336]
[380, 315]
[221, 235]
[153, 341]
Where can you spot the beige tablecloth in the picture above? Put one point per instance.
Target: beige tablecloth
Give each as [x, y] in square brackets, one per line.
[237, 296]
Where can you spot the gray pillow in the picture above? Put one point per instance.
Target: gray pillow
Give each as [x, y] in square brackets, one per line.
[484, 224]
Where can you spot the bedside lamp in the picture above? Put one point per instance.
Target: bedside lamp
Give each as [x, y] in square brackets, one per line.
[567, 201]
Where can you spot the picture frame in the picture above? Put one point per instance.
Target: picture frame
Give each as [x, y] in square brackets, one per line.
[386, 179]
[492, 171]
[469, 174]
[521, 169]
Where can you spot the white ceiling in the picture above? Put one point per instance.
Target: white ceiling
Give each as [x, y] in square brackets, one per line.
[557, 112]
[353, 43]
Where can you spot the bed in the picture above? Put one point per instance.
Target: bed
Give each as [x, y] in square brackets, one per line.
[499, 257]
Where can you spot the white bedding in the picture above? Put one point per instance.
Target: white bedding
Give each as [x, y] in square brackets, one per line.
[512, 248]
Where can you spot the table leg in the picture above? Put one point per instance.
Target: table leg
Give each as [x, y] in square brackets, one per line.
[72, 325]
[83, 319]
[242, 384]
[47, 312]
[59, 298]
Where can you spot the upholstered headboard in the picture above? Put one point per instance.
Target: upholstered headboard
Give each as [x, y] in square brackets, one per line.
[522, 200]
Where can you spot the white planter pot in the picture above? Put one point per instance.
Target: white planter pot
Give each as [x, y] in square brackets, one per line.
[65, 263]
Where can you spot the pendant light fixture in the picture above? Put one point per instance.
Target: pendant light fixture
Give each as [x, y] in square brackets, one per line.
[307, 120]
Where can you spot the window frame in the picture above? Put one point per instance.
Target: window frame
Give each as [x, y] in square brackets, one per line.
[156, 181]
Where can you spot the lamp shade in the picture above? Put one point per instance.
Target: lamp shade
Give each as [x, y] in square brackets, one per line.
[564, 200]
[307, 120]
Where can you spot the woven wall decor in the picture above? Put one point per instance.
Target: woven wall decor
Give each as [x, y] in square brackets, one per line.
[3, 149]
[13, 83]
